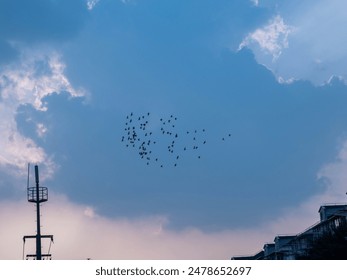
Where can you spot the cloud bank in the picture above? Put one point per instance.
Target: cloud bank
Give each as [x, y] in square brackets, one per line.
[27, 82]
[307, 39]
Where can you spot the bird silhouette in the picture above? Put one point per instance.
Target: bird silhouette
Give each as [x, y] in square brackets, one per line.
[166, 134]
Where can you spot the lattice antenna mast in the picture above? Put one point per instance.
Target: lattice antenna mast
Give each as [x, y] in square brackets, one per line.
[37, 195]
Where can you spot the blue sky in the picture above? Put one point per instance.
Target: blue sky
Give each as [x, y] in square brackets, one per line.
[269, 73]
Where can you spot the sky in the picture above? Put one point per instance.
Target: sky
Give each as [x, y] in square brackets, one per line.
[170, 129]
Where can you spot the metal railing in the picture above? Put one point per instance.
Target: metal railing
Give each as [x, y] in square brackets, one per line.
[42, 195]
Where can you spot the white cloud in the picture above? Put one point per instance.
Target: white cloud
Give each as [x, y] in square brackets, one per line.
[41, 130]
[28, 81]
[33, 78]
[307, 40]
[272, 38]
[255, 2]
[91, 4]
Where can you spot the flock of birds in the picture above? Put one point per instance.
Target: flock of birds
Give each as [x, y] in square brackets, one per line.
[151, 143]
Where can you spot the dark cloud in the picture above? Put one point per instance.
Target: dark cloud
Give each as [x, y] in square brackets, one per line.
[281, 136]
[38, 21]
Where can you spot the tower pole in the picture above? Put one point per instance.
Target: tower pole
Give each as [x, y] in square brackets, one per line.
[38, 224]
[37, 195]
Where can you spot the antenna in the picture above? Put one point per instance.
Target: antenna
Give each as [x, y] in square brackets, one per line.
[28, 176]
[37, 195]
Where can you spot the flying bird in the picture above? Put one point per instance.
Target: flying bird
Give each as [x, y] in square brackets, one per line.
[169, 133]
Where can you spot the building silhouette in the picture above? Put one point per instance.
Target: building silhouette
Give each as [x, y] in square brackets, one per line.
[328, 237]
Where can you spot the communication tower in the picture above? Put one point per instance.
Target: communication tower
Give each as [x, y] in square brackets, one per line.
[37, 195]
